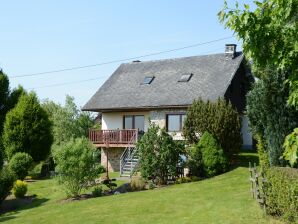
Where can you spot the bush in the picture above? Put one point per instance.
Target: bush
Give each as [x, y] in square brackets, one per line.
[182, 180]
[262, 153]
[1, 154]
[195, 162]
[6, 182]
[158, 154]
[97, 191]
[20, 164]
[213, 157]
[220, 119]
[137, 184]
[101, 169]
[19, 189]
[76, 165]
[27, 129]
[36, 170]
[282, 193]
[195, 178]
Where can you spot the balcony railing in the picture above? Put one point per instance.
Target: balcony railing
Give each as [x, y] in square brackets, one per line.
[113, 137]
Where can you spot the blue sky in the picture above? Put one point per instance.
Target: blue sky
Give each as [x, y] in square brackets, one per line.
[38, 36]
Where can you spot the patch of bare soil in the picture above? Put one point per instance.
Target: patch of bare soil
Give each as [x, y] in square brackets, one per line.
[79, 198]
[11, 203]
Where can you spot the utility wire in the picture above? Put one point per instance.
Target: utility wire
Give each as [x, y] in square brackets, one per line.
[67, 83]
[91, 79]
[120, 60]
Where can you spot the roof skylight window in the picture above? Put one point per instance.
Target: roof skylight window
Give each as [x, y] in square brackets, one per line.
[185, 77]
[148, 80]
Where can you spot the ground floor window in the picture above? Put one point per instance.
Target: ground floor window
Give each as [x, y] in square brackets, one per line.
[134, 122]
[174, 122]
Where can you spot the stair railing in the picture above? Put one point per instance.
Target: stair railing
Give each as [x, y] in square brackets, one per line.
[128, 152]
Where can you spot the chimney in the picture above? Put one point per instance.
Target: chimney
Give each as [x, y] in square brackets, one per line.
[230, 51]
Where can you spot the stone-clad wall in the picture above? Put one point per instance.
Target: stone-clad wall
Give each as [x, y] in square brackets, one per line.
[114, 155]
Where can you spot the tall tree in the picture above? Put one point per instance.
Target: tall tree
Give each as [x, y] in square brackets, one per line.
[27, 129]
[68, 121]
[269, 35]
[4, 95]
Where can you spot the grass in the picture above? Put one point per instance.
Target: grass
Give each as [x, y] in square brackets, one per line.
[222, 199]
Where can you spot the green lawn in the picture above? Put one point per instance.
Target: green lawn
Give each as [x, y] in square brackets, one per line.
[223, 199]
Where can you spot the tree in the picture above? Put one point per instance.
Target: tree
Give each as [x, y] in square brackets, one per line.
[220, 119]
[7, 101]
[269, 36]
[4, 95]
[76, 165]
[270, 117]
[68, 121]
[291, 149]
[158, 154]
[27, 129]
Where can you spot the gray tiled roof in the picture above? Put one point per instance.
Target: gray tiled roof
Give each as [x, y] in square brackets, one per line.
[212, 75]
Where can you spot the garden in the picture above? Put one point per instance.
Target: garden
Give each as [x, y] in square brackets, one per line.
[48, 168]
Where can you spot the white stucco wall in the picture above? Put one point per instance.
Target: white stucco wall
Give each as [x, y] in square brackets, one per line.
[114, 120]
[246, 134]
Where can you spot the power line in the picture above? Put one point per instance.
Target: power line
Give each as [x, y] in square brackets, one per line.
[120, 60]
[92, 79]
[67, 83]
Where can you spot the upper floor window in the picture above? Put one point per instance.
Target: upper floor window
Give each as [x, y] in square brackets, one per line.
[175, 122]
[134, 122]
[185, 77]
[147, 80]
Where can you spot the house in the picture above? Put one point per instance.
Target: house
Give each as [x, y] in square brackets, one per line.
[162, 90]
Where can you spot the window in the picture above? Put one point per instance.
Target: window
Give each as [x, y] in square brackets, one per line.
[185, 77]
[175, 122]
[134, 122]
[148, 80]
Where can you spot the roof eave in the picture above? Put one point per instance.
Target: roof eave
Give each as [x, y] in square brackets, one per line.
[141, 108]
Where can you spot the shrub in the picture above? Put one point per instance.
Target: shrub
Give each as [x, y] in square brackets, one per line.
[76, 165]
[151, 185]
[36, 170]
[27, 129]
[137, 184]
[213, 157]
[262, 153]
[101, 169]
[1, 154]
[6, 182]
[195, 162]
[282, 193]
[158, 154]
[19, 189]
[97, 191]
[182, 180]
[220, 119]
[20, 164]
[195, 178]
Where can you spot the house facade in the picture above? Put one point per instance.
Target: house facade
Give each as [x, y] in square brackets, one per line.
[160, 92]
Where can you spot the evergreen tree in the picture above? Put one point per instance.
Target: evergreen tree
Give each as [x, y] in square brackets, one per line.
[27, 129]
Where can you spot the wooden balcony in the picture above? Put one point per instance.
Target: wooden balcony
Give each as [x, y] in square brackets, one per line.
[113, 138]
